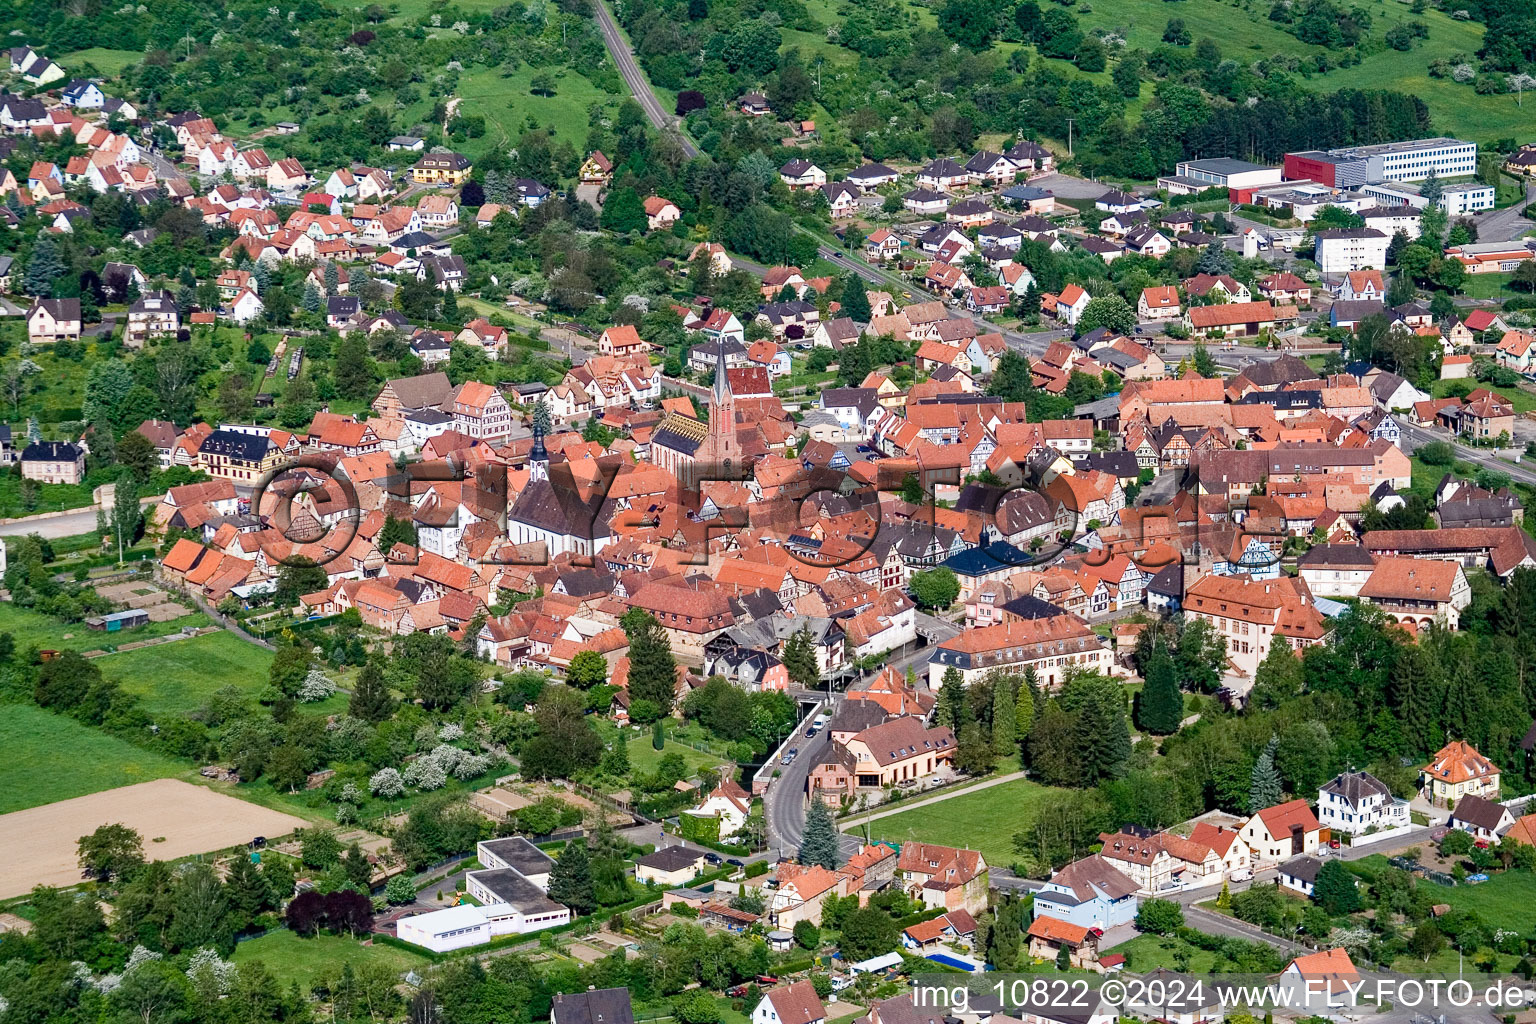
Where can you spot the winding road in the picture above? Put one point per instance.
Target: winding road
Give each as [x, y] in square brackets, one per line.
[630, 71]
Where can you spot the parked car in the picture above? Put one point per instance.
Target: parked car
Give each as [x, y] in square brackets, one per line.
[734, 862]
[712, 858]
[736, 991]
[1241, 875]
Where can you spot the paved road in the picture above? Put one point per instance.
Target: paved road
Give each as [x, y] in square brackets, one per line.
[1508, 223]
[1416, 437]
[624, 58]
[71, 525]
[784, 804]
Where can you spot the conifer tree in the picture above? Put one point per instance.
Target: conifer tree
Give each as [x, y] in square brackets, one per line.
[371, 700]
[952, 709]
[1003, 712]
[818, 844]
[1264, 790]
[1162, 704]
[570, 880]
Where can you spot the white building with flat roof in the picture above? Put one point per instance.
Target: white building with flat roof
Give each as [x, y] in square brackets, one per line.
[469, 925]
[1225, 172]
[1456, 199]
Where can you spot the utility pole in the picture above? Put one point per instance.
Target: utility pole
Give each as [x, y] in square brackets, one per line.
[1070, 122]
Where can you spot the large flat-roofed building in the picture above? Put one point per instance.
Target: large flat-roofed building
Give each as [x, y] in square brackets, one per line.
[519, 855]
[1225, 172]
[534, 909]
[1456, 198]
[1353, 166]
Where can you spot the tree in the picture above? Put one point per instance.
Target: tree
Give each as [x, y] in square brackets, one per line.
[1214, 259]
[1004, 721]
[353, 368]
[246, 892]
[799, 657]
[1161, 706]
[971, 23]
[1426, 941]
[935, 588]
[44, 267]
[136, 453]
[370, 699]
[624, 211]
[1108, 311]
[1335, 889]
[652, 669]
[1160, 917]
[588, 668]
[126, 516]
[1204, 363]
[154, 992]
[867, 932]
[1175, 32]
[570, 880]
[855, 300]
[1264, 789]
[807, 935]
[1024, 707]
[299, 575]
[819, 841]
[973, 751]
[110, 853]
[399, 890]
[952, 710]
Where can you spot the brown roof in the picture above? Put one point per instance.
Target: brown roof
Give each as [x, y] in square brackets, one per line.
[903, 738]
[1230, 313]
[1411, 579]
[797, 1003]
[1280, 818]
[1053, 929]
[1459, 761]
[1090, 875]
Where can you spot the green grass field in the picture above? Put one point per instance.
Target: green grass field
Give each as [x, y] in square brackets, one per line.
[985, 820]
[293, 957]
[49, 757]
[32, 629]
[109, 62]
[507, 103]
[644, 759]
[1148, 952]
[180, 677]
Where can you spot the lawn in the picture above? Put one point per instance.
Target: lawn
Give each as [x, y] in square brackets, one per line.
[507, 104]
[985, 820]
[644, 758]
[1490, 286]
[1504, 901]
[1522, 400]
[1148, 952]
[307, 960]
[33, 629]
[49, 757]
[179, 677]
[109, 62]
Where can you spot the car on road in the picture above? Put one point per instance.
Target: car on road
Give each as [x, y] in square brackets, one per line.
[1241, 875]
[712, 858]
[735, 862]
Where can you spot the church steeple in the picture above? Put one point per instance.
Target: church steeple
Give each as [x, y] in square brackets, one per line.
[538, 456]
[719, 449]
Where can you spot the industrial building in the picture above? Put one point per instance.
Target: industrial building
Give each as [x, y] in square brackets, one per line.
[1353, 166]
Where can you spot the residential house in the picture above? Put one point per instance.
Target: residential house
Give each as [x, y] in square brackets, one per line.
[1456, 771]
[441, 169]
[1358, 803]
[53, 320]
[1486, 820]
[1281, 832]
[1089, 893]
[53, 462]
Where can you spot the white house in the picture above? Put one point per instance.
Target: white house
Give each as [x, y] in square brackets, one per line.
[1300, 874]
[728, 803]
[1340, 250]
[790, 1004]
[469, 925]
[1356, 802]
[1484, 819]
[246, 306]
